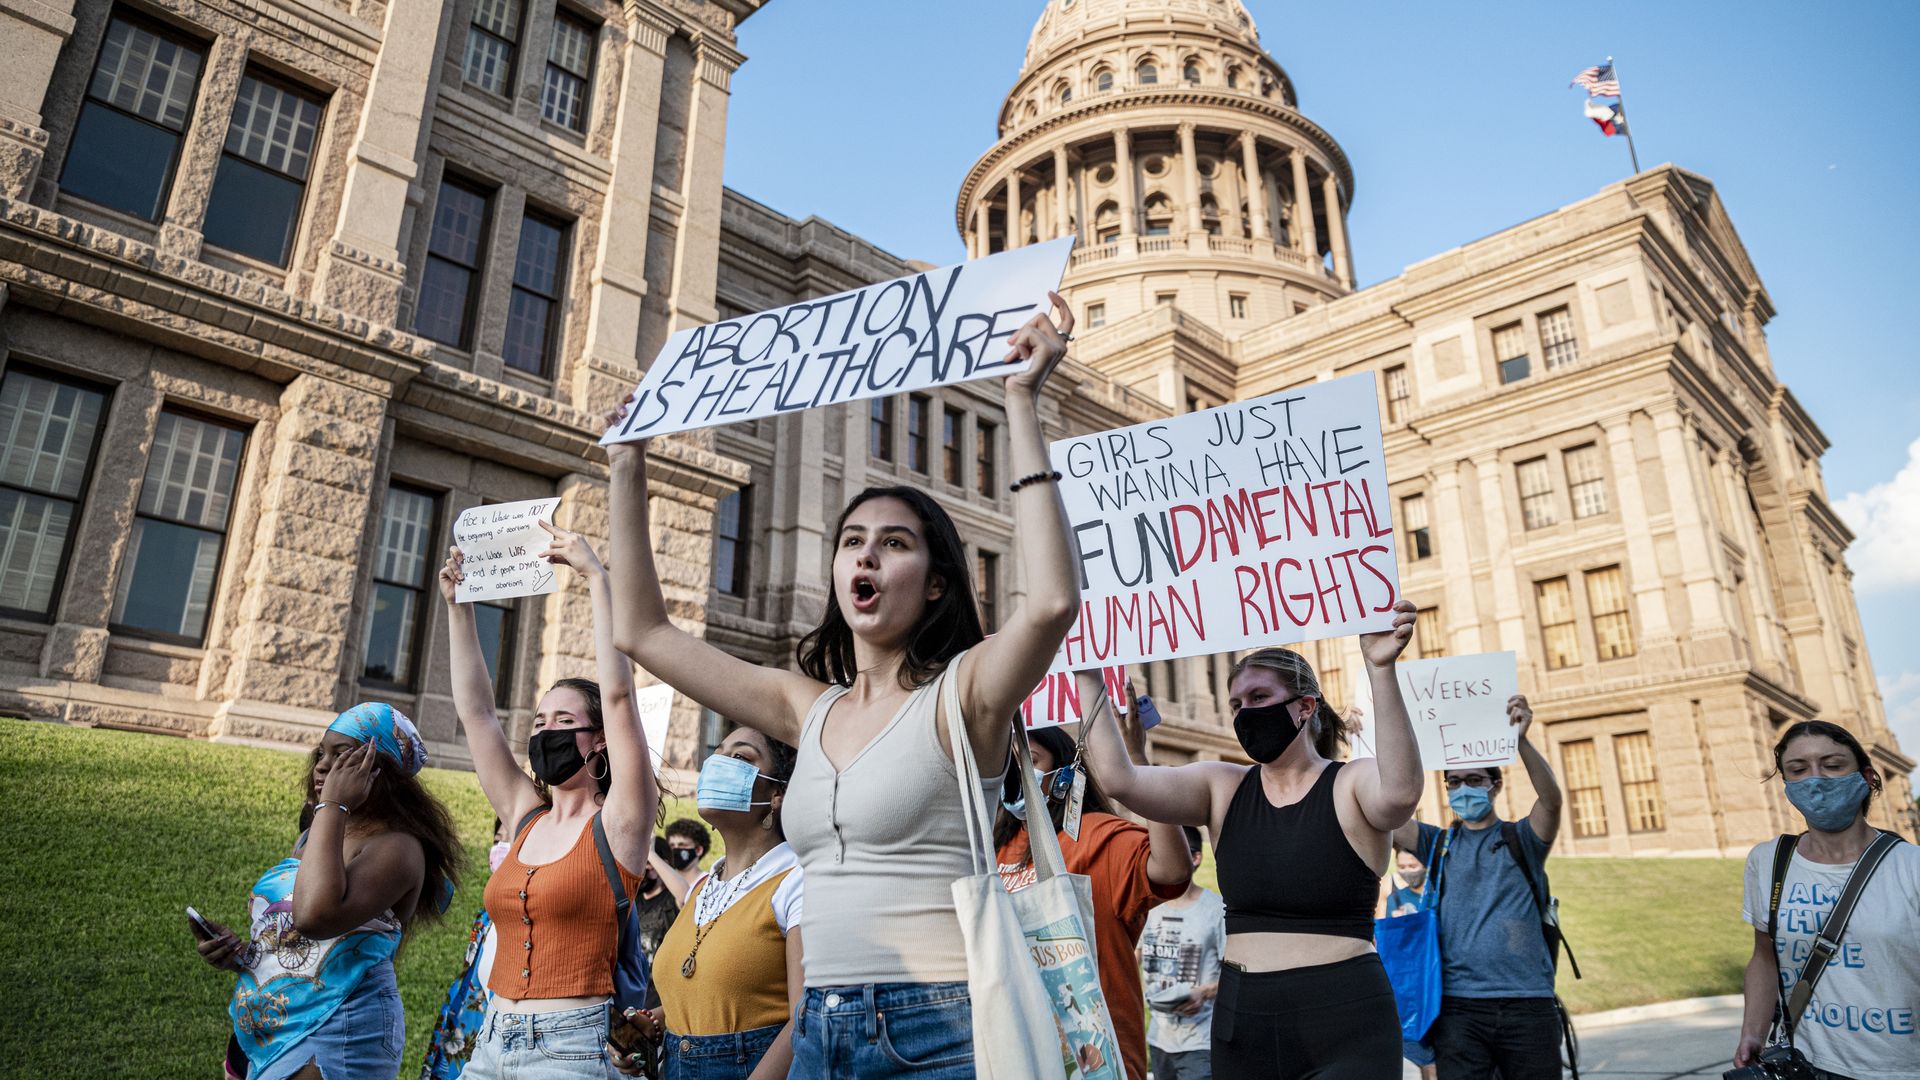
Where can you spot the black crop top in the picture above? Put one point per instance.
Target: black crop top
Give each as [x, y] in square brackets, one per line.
[1289, 869]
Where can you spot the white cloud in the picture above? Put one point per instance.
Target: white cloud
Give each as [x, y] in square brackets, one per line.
[1901, 694]
[1886, 519]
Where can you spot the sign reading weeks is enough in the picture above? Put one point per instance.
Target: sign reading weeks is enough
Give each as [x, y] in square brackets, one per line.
[1263, 522]
[933, 328]
[1458, 705]
[500, 548]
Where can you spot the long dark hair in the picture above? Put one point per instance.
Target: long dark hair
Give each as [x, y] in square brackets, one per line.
[1296, 674]
[402, 804]
[949, 626]
[1837, 734]
[1060, 744]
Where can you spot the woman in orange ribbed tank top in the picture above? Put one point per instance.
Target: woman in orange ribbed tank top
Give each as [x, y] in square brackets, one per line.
[549, 901]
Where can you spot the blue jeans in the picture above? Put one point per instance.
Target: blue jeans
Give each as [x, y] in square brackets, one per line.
[883, 1030]
[364, 1037]
[568, 1045]
[716, 1057]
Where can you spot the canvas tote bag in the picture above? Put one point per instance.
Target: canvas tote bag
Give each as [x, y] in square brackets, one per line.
[1032, 972]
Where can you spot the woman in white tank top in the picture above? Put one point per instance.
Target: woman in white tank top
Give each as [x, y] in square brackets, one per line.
[870, 811]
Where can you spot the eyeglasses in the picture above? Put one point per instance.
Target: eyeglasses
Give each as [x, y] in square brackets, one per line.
[1454, 782]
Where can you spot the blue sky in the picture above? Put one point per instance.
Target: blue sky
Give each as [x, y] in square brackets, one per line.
[1459, 123]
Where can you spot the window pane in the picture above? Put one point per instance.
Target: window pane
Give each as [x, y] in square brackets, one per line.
[1639, 782]
[572, 46]
[1536, 493]
[880, 429]
[118, 162]
[529, 320]
[983, 458]
[1509, 341]
[1556, 338]
[167, 583]
[1399, 392]
[563, 99]
[496, 643]
[489, 62]
[727, 533]
[391, 634]
[1583, 786]
[498, 17]
[253, 211]
[917, 434]
[459, 224]
[145, 74]
[1607, 600]
[1586, 485]
[537, 262]
[274, 127]
[33, 537]
[986, 583]
[406, 537]
[46, 433]
[444, 291]
[950, 443]
[1432, 636]
[1554, 598]
[190, 471]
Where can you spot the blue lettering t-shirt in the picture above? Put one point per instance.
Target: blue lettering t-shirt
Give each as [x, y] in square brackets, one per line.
[1490, 940]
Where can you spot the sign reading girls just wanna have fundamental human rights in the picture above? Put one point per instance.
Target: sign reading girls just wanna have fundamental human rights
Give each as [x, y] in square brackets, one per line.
[933, 328]
[1262, 522]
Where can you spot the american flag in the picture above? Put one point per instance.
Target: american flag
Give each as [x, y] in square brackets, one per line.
[1598, 81]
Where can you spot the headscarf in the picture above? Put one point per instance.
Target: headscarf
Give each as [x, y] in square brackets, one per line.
[388, 729]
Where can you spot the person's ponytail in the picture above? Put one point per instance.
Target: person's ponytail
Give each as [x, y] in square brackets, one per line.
[1329, 731]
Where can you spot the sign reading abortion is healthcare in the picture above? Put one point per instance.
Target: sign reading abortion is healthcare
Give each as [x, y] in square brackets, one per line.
[933, 328]
[1263, 522]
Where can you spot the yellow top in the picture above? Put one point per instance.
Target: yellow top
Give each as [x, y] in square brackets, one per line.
[739, 979]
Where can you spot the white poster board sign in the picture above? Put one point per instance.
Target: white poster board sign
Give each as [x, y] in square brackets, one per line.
[1262, 522]
[1057, 699]
[655, 705]
[934, 328]
[1458, 705]
[500, 548]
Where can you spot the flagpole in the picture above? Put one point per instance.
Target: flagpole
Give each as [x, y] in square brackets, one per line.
[1631, 152]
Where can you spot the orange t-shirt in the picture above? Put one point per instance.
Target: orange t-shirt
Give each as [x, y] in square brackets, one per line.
[1113, 852]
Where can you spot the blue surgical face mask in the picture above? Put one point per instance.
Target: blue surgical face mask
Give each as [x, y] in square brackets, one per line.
[726, 783]
[1829, 803]
[1018, 807]
[1471, 803]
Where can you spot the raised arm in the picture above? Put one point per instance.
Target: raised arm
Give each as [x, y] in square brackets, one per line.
[1172, 795]
[1169, 862]
[772, 701]
[1545, 815]
[332, 895]
[633, 790]
[1004, 669]
[1388, 792]
[507, 787]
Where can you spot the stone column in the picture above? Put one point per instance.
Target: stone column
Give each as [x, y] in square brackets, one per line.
[1643, 562]
[982, 230]
[1708, 633]
[1456, 562]
[1016, 233]
[1256, 185]
[1309, 244]
[617, 289]
[278, 682]
[1123, 171]
[696, 262]
[1060, 215]
[799, 519]
[360, 268]
[33, 36]
[1506, 583]
[1190, 170]
[1336, 229]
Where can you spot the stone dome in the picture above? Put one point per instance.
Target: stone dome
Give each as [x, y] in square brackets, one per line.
[1063, 20]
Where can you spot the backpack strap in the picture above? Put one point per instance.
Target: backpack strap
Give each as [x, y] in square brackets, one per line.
[527, 819]
[1510, 836]
[621, 902]
[1828, 943]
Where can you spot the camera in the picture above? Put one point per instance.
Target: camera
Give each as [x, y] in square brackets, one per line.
[1776, 1063]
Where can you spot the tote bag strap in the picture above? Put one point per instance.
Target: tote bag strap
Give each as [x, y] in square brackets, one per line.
[973, 807]
[1041, 842]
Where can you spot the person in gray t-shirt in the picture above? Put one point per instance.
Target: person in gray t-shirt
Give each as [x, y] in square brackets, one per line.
[1180, 950]
[1496, 973]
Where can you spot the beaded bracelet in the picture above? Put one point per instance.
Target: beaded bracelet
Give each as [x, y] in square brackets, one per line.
[1053, 476]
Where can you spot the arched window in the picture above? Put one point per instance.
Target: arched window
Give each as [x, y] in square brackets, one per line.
[1147, 74]
[1030, 111]
[1159, 215]
[1063, 92]
[1103, 81]
[1106, 223]
[1210, 214]
[1191, 72]
[1233, 78]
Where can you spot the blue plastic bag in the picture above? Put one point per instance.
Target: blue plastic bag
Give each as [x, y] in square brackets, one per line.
[1409, 948]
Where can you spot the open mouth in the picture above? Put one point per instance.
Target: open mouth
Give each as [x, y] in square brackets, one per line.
[866, 595]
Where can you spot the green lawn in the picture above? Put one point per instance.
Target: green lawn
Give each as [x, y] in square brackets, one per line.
[106, 836]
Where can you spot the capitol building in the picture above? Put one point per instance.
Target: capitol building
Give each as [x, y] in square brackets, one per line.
[286, 286]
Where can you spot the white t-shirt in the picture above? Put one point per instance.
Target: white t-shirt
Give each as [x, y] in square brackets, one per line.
[1862, 1019]
[1181, 945]
[786, 898]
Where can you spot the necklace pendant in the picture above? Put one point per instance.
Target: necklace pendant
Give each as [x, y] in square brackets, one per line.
[686, 969]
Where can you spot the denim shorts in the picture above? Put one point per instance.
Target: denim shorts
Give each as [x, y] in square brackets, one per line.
[716, 1057]
[883, 1030]
[542, 1046]
[365, 1036]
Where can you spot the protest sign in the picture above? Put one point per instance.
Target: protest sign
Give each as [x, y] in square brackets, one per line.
[1263, 522]
[500, 548]
[1458, 705]
[933, 328]
[1057, 699]
[655, 705]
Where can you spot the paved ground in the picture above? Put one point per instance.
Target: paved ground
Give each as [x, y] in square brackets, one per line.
[1657, 1042]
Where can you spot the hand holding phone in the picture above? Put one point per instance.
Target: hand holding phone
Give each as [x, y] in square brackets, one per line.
[201, 928]
[217, 944]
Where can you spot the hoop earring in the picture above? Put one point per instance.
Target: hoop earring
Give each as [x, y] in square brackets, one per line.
[605, 768]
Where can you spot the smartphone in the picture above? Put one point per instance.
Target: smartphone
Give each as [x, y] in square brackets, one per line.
[623, 1034]
[199, 924]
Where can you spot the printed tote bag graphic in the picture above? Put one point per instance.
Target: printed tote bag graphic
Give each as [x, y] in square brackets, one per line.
[1038, 1010]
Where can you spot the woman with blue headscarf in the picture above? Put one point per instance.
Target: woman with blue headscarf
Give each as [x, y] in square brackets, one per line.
[316, 996]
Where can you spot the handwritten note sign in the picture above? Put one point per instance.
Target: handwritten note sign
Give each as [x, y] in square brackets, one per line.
[1057, 699]
[1458, 705]
[1263, 522]
[655, 705]
[500, 548]
[933, 328]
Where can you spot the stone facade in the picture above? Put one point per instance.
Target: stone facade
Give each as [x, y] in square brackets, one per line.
[1647, 479]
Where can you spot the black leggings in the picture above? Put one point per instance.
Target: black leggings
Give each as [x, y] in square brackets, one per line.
[1330, 1022]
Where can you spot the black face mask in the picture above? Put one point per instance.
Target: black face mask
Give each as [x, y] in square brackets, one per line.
[555, 755]
[683, 857]
[1265, 731]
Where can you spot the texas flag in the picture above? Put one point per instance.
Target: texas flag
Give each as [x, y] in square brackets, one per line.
[1611, 119]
